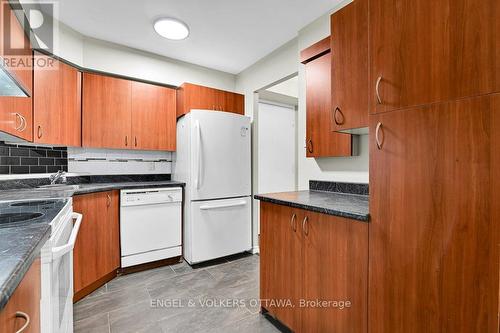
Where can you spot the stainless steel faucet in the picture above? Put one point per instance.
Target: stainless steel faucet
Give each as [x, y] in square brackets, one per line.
[58, 175]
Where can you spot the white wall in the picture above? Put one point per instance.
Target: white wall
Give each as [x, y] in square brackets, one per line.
[282, 63]
[108, 57]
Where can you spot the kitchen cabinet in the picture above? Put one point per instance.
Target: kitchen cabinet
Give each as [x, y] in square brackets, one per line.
[120, 113]
[16, 113]
[57, 102]
[434, 231]
[153, 117]
[97, 249]
[192, 96]
[321, 140]
[307, 256]
[349, 65]
[24, 301]
[280, 262]
[106, 112]
[427, 51]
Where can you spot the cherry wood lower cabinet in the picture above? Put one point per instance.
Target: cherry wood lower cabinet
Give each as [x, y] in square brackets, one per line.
[57, 106]
[321, 140]
[307, 258]
[434, 231]
[25, 299]
[97, 249]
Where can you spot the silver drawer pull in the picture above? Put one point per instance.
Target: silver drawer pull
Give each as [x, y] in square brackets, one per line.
[377, 86]
[24, 315]
[293, 222]
[377, 137]
[305, 226]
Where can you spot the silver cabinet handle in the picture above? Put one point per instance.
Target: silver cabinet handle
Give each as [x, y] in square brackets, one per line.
[377, 86]
[377, 137]
[109, 200]
[24, 315]
[310, 147]
[305, 223]
[25, 124]
[337, 110]
[39, 131]
[293, 222]
[18, 116]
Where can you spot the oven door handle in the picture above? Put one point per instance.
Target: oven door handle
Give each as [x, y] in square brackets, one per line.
[59, 251]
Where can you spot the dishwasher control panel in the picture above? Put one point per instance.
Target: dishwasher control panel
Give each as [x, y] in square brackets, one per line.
[150, 196]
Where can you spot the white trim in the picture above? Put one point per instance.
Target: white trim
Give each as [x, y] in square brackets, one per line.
[255, 250]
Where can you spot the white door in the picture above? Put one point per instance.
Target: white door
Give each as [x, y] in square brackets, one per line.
[220, 228]
[220, 160]
[277, 146]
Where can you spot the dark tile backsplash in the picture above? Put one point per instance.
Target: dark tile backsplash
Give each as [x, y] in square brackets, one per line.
[19, 159]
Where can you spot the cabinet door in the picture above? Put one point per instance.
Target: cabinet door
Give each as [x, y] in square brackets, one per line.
[434, 230]
[335, 268]
[234, 103]
[106, 119]
[280, 263]
[321, 141]
[349, 45]
[26, 299]
[191, 96]
[57, 103]
[153, 117]
[430, 51]
[16, 113]
[16, 48]
[97, 249]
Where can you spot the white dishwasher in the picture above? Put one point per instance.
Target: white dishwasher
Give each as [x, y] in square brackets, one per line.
[150, 225]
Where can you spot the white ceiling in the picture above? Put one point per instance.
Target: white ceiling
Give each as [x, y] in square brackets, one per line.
[228, 35]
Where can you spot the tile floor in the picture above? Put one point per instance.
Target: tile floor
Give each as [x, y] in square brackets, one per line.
[219, 297]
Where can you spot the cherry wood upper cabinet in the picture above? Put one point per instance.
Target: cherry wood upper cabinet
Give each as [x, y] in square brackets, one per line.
[429, 51]
[57, 107]
[26, 299]
[106, 112]
[434, 208]
[16, 113]
[349, 45]
[191, 96]
[16, 51]
[321, 140]
[97, 248]
[153, 117]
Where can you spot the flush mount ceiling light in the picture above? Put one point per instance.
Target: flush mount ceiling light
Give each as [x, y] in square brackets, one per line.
[171, 28]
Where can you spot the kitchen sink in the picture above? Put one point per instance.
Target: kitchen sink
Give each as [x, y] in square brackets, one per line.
[18, 217]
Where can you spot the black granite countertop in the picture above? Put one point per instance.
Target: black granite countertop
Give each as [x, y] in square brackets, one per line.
[20, 242]
[100, 187]
[323, 199]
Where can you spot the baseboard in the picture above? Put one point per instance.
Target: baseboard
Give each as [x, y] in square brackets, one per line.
[94, 286]
[255, 250]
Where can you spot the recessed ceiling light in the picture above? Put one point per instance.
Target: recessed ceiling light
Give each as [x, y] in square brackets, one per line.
[171, 28]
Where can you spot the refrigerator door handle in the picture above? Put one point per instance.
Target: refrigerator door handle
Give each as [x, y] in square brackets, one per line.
[236, 204]
[197, 181]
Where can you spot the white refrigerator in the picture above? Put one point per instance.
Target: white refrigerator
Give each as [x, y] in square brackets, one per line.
[213, 158]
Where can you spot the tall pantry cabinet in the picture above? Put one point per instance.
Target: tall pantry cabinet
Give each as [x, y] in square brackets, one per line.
[434, 166]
